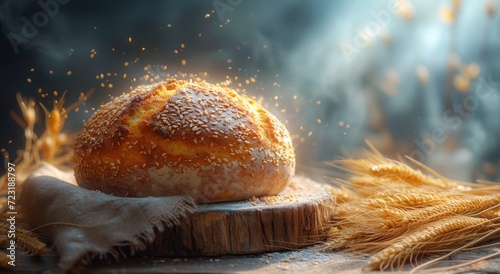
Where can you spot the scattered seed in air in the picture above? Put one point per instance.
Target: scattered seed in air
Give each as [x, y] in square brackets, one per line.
[28, 80]
[183, 62]
[126, 64]
[207, 16]
[68, 72]
[341, 123]
[318, 121]
[130, 39]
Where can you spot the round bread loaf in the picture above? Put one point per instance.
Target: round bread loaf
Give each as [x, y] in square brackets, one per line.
[179, 137]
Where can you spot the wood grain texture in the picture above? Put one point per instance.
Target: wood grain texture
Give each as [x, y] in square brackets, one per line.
[293, 219]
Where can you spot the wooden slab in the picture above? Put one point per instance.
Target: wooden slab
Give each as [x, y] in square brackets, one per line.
[292, 219]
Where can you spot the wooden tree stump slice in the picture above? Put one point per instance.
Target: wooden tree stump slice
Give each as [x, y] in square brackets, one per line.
[293, 219]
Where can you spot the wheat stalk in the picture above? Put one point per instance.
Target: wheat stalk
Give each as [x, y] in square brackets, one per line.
[446, 232]
[26, 240]
[400, 213]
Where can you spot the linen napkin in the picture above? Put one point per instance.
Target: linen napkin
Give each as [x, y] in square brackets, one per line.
[85, 224]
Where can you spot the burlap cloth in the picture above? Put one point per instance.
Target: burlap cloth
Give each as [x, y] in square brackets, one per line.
[84, 224]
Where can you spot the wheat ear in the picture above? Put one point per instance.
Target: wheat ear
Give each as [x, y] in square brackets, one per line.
[408, 246]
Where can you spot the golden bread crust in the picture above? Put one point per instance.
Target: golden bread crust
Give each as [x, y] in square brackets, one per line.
[179, 137]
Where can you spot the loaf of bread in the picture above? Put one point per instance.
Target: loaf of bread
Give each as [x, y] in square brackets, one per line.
[184, 138]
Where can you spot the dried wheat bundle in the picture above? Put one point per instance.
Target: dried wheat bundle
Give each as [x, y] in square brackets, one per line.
[26, 240]
[52, 145]
[400, 213]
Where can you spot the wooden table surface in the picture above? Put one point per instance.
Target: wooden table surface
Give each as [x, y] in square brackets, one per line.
[305, 260]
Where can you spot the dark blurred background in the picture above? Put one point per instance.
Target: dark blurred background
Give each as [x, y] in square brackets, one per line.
[418, 78]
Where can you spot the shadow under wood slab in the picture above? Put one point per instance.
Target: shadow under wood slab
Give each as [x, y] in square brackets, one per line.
[293, 219]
